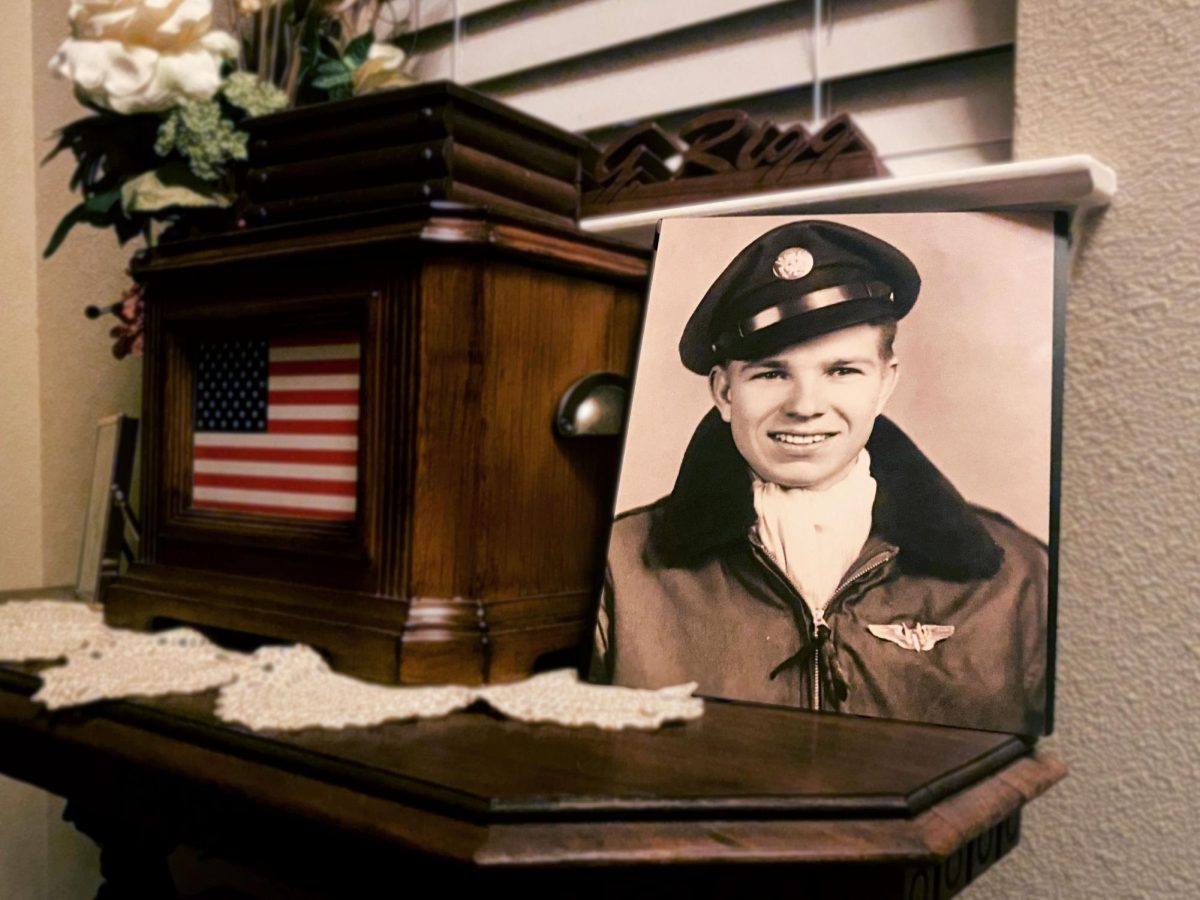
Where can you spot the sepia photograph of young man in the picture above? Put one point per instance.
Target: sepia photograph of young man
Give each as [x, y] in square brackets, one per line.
[808, 553]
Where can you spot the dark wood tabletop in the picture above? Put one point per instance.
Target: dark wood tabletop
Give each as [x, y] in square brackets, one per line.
[747, 794]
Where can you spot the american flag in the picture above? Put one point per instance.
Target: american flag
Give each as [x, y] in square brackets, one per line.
[276, 426]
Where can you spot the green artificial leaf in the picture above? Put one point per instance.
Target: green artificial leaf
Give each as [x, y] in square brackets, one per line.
[101, 203]
[108, 149]
[327, 68]
[94, 210]
[63, 143]
[127, 229]
[331, 82]
[357, 49]
[69, 221]
[170, 186]
[333, 68]
[310, 47]
[331, 75]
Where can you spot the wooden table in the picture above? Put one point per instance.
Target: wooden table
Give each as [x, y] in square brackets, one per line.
[745, 797]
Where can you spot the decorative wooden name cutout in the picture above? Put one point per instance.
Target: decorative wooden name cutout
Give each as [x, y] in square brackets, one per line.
[719, 154]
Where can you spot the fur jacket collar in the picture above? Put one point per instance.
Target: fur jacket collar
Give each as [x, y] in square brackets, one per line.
[916, 508]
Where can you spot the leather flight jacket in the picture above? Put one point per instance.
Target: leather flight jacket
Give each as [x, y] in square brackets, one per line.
[943, 618]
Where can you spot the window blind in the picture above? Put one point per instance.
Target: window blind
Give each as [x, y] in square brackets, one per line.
[930, 82]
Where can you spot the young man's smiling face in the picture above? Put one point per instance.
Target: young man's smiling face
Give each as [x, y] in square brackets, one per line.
[800, 416]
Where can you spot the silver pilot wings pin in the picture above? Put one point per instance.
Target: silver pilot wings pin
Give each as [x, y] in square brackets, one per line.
[919, 638]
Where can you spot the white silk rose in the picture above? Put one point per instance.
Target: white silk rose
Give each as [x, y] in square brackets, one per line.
[134, 56]
[381, 70]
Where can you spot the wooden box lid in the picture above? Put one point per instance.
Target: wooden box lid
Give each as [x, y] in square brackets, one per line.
[435, 141]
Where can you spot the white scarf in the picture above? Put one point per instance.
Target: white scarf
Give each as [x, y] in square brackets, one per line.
[815, 536]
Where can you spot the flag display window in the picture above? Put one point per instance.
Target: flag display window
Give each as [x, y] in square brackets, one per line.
[276, 424]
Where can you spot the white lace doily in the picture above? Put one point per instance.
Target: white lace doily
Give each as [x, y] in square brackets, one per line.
[46, 629]
[560, 697]
[287, 688]
[132, 664]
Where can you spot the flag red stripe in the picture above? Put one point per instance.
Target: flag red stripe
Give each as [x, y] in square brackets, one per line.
[313, 367]
[314, 340]
[288, 511]
[311, 426]
[265, 483]
[311, 398]
[267, 454]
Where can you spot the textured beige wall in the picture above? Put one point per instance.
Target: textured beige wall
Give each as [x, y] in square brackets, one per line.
[57, 378]
[23, 849]
[80, 380]
[27, 812]
[20, 472]
[1122, 81]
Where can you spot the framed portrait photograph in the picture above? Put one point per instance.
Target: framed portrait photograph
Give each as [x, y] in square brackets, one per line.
[838, 488]
[103, 531]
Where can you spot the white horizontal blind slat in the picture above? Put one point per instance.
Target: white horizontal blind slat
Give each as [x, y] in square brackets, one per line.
[923, 109]
[565, 32]
[437, 12]
[744, 55]
[953, 103]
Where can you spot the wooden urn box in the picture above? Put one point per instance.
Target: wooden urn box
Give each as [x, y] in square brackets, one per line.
[349, 409]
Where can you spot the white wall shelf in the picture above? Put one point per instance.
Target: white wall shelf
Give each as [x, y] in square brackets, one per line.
[1076, 184]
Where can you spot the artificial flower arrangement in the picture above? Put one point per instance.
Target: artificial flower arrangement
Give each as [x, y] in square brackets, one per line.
[168, 93]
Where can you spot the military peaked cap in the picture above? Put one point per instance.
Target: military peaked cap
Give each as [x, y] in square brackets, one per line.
[793, 283]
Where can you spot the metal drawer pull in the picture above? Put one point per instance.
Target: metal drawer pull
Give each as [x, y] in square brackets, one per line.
[593, 406]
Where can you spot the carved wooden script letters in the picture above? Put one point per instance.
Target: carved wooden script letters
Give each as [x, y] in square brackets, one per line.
[722, 153]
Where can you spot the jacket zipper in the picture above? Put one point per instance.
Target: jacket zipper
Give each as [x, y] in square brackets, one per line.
[867, 568]
[816, 670]
[766, 557]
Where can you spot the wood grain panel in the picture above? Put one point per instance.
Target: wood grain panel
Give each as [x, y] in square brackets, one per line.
[539, 495]
[153, 378]
[508, 514]
[390, 427]
[448, 417]
[506, 508]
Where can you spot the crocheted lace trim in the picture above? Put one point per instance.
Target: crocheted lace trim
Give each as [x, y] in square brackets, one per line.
[288, 688]
[120, 664]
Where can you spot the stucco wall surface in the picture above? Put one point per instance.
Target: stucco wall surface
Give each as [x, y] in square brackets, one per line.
[20, 474]
[57, 377]
[24, 863]
[1122, 82]
[80, 380]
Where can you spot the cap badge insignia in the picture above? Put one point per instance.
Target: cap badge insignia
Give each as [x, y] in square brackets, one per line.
[793, 263]
[920, 638]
